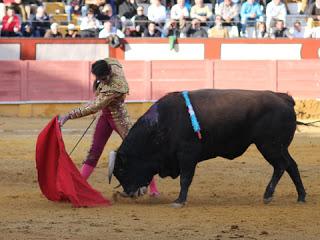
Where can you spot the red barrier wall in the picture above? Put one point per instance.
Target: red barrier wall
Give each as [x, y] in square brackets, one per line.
[257, 75]
[299, 78]
[149, 80]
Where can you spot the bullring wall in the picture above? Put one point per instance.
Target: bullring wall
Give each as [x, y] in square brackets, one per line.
[41, 88]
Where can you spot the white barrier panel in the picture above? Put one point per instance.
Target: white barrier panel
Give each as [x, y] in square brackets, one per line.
[261, 51]
[9, 51]
[65, 52]
[163, 52]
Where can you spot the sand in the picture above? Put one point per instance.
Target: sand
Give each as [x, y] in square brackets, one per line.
[225, 198]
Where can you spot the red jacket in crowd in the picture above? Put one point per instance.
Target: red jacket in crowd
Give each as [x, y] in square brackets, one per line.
[8, 26]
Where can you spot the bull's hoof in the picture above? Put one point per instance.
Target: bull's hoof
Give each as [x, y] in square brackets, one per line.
[178, 205]
[267, 200]
[301, 201]
[302, 198]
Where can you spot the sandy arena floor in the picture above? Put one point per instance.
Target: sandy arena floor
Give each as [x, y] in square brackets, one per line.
[225, 199]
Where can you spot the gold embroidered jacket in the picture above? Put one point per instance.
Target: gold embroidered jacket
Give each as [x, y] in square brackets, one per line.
[106, 94]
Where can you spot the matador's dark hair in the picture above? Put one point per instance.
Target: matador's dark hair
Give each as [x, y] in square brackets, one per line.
[101, 68]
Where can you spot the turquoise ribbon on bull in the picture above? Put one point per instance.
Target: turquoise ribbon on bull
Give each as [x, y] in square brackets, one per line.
[192, 114]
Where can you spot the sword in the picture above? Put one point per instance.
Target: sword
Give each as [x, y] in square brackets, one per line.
[84, 133]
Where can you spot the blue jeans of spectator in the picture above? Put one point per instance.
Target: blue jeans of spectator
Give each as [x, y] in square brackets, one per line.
[69, 10]
[250, 22]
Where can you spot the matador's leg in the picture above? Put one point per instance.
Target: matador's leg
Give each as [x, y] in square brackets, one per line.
[101, 135]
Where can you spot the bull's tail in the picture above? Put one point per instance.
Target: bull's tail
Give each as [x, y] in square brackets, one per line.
[286, 97]
[309, 124]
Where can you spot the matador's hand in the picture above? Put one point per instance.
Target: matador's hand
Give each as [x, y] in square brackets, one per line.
[63, 119]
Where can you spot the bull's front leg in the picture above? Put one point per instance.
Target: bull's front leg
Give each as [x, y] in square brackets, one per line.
[187, 169]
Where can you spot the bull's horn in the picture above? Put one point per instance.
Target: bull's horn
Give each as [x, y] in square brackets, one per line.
[112, 159]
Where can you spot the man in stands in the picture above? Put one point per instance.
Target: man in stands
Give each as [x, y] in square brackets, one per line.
[89, 26]
[194, 30]
[157, 12]
[40, 22]
[53, 31]
[152, 31]
[276, 10]
[314, 14]
[250, 14]
[280, 31]
[179, 10]
[201, 12]
[10, 24]
[229, 12]
[140, 21]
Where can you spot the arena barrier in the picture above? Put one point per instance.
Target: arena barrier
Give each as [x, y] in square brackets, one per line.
[159, 49]
[71, 81]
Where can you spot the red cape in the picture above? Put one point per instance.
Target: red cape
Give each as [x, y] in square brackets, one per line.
[58, 177]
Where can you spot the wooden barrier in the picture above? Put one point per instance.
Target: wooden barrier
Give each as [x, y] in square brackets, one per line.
[41, 81]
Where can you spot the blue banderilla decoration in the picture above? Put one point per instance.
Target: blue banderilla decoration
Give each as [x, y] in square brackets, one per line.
[192, 114]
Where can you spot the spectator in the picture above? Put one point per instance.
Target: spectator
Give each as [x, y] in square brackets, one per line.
[10, 24]
[261, 31]
[229, 12]
[72, 31]
[28, 6]
[97, 6]
[303, 6]
[128, 9]
[298, 30]
[2, 10]
[108, 30]
[179, 10]
[140, 21]
[201, 12]
[103, 15]
[250, 13]
[26, 30]
[130, 31]
[171, 29]
[40, 22]
[157, 12]
[75, 6]
[53, 31]
[19, 7]
[194, 30]
[109, 16]
[276, 10]
[89, 26]
[218, 31]
[152, 31]
[280, 31]
[314, 14]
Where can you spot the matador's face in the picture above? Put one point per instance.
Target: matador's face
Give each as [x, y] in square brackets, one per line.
[104, 78]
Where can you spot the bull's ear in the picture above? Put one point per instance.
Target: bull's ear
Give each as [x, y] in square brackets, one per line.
[112, 159]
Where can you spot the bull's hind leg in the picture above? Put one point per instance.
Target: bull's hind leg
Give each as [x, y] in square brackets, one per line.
[281, 161]
[268, 194]
[273, 155]
[294, 174]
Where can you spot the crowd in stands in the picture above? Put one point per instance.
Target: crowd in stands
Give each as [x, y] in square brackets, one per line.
[160, 18]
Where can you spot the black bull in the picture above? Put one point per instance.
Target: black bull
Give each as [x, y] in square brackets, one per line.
[163, 141]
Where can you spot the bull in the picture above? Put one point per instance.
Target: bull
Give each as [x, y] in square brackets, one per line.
[163, 142]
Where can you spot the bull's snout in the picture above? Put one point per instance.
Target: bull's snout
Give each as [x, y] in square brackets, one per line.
[140, 192]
